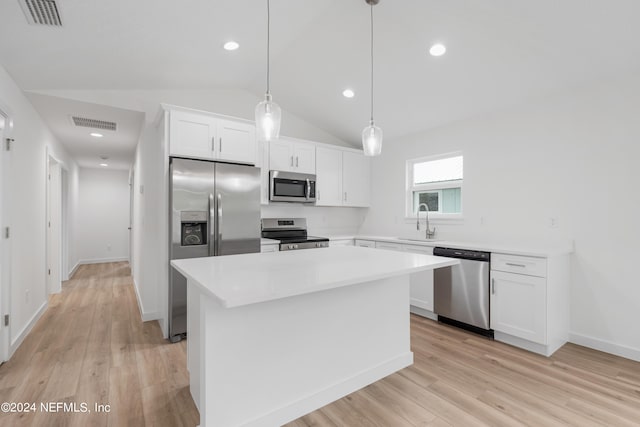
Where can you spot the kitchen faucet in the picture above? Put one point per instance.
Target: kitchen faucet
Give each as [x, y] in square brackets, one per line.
[430, 231]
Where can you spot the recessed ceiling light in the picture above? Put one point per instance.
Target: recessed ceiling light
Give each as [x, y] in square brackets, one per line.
[437, 49]
[348, 93]
[96, 135]
[231, 45]
[104, 165]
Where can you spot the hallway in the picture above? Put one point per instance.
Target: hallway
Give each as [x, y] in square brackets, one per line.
[91, 347]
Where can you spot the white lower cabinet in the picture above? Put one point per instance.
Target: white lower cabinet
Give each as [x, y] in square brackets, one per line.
[269, 248]
[421, 284]
[518, 305]
[529, 302]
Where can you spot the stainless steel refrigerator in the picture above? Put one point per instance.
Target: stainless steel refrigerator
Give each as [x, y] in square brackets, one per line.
[215, 210]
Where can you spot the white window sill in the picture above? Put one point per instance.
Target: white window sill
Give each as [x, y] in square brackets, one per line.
[447, 219]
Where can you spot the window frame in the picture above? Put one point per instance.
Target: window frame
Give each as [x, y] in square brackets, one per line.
[410, 189]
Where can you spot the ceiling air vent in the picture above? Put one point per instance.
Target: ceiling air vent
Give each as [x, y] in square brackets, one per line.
[93, 123]
[42, 12]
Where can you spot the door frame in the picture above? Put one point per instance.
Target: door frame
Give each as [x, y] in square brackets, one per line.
[5, 244]
[54, 281]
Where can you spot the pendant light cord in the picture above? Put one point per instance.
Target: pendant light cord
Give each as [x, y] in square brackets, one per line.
[268, 41]
[372, 63]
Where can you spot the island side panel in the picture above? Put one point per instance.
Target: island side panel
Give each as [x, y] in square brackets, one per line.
[268, 363]
[194, 349]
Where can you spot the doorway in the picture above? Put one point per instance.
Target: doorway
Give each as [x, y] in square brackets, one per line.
[5, 249]
[54, 226]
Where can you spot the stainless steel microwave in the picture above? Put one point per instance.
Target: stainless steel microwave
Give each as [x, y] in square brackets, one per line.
[292, 187]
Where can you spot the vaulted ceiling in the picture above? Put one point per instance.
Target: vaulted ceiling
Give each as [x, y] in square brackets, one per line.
[500, 53]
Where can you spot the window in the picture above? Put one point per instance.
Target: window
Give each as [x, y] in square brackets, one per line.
[437, 182]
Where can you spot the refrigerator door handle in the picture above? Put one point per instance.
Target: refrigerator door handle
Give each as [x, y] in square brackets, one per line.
[218, 220]
[211, 225]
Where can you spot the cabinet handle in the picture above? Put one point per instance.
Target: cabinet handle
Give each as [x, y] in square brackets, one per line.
[493, 286]
[515, 265]
[345, 196]
[318, 195]
[213, 143]
[291, 161]
[296, 161]
[220, 145]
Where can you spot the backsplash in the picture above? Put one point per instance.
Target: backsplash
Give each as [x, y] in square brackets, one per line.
[322, 221]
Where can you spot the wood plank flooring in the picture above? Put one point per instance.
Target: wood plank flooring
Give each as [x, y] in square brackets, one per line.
[90, 346]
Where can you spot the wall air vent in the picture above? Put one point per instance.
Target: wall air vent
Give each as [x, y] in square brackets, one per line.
[42, 12]
[93, 123]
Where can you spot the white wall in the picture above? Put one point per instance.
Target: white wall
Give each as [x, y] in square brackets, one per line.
[26, 200]
[103, 216]
[572, 157]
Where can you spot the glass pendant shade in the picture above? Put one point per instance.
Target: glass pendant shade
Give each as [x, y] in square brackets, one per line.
[372, 140]
[268, 116]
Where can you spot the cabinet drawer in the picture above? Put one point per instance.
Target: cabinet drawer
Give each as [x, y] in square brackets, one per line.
[519, 264]
[389, 246]
[366, 243]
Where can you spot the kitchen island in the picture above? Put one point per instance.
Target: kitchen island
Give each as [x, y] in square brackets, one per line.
[274, 336]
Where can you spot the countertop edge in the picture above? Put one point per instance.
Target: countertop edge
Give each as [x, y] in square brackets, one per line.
[493, 248]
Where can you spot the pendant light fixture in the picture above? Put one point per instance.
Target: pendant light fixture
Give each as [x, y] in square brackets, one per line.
[268, 113]
[372, 134]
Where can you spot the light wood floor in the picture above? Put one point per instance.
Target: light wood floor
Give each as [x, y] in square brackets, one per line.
[90, 346]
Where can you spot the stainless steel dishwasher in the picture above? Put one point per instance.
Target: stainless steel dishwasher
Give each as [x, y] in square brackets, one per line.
[461, 292]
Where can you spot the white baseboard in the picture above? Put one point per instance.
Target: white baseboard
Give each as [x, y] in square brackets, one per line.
[74, 269]
[101, 260]
[606, 346]
[25, 331]
[145, 315]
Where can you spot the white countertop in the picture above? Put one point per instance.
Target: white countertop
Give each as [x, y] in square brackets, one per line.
[237, 280]
[525, 248]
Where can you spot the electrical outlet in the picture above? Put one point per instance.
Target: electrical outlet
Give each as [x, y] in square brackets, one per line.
[109, 248]
[553, 222]
[481, 220]
[26, 295]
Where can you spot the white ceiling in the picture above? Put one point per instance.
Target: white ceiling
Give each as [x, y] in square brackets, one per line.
[500, 53]
[119, 145]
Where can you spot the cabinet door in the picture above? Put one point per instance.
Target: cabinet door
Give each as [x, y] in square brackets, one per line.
[329, 177]
[421, 283]
[264, 173]
[192, 135]
[356, 179]
[365, 243]
[518, 305]
[304, 157]
[236, 142]
[281, 155]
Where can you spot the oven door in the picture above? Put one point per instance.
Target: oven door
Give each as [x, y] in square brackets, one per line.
[292, 187]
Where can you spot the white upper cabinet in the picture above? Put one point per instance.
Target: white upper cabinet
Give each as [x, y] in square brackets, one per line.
[237, 141]
[192, 135]
[328, 177]
[289, 155]
[200, 136]
[356, 179]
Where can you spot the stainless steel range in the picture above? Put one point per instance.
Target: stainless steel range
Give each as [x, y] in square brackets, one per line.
[292, 234]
